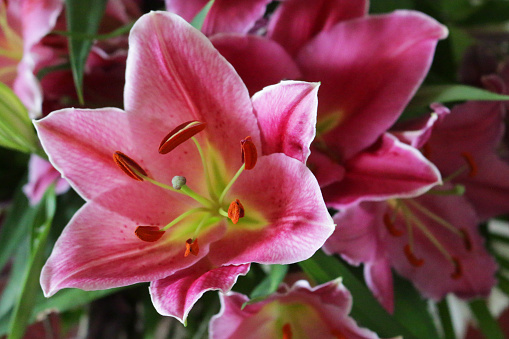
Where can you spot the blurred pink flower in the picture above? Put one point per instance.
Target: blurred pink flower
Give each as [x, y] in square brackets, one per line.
[297, 312]
[131, 230]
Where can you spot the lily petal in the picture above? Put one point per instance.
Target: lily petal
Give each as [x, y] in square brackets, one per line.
[388, 169]
[259, 61]
[175, 295]
[369, 78]
[287, 118]
[295, 22]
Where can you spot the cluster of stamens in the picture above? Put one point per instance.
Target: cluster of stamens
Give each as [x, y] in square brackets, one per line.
[401, 209]
[172, 140]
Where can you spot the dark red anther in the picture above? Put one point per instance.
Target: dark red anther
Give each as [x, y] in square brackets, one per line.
[467, 241]
[458, 269]
[128, 166]
[391, 227]
[249, 154]
[180, 134]
[416, 262]
[235, 211]
[148, 233]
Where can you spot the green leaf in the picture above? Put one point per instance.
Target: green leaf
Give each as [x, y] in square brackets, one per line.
[490, 12]
[451, 93]
[15, 227]
[365, 309]
[30, 284]
[199, 19]
[83, 17]
[11, 292]
[487, 324]
[16, 129]
[445, 319]
[385, 6]
[268, 285]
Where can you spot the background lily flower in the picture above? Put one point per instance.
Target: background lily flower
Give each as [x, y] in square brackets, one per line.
[301, 311]
[175, 77]
[22, 25]
[433, 240]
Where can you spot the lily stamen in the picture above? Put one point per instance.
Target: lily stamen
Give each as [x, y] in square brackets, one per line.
[129, 166]
[192, 247]
[248, 153]
[179, 134]
[287, 331]
[235, 211]
[149, 233]
[416, 262]
[471, 163]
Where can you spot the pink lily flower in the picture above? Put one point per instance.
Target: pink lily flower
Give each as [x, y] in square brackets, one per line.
[186, 215]
[433, 240]
[365, 85]
[41, 174]
[301, 311]
[22, 25]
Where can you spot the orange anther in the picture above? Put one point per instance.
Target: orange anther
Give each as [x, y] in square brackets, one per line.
[458, 269]
[128, 166]
[390, 226]
[471, 163]
[467, 241]
[416, 262]
[180, 134]
[235, 211]
[287, 331]
[249, 154]
[192, 247]
[148, 233]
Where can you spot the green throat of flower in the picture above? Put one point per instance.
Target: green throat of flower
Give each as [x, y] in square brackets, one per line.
[212, 208]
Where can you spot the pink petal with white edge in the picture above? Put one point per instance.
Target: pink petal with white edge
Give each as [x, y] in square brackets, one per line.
[323, 312]
[184, 78]
[295, 22]
[369, 71]
[287, 118]
[417, 133]
[175, 295]
[259, 61]
[38, 19]
[388, 169]
[80, 144]
[434, 278]
[99, 249]
[297, 222]
[40, 176]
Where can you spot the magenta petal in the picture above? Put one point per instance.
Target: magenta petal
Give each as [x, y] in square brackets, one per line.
[259, 61]
[187, 9]
[226, 16]
[176, 69]
[175, 295]
[295, 22]
[387, 169]
[369, 77]
[38, 18]
[325, 169]
[81, 141]
[285, 192]
[287, 118]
